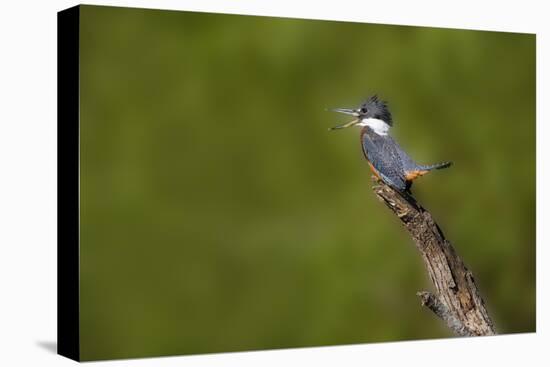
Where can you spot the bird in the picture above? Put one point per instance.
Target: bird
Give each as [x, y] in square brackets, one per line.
[387, 160]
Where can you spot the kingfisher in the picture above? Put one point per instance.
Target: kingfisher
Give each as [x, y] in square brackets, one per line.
[386, 159]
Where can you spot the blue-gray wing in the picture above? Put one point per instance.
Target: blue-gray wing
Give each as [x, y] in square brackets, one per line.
[385, 156]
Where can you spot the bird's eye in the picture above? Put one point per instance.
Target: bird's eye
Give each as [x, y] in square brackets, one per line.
[364, 110]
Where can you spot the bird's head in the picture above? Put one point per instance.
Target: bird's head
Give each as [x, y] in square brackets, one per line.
[373, 112]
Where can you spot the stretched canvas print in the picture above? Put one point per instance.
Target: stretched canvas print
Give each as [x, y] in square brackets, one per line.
[236, 183]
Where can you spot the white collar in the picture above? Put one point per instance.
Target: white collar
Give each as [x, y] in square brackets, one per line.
[378, 126]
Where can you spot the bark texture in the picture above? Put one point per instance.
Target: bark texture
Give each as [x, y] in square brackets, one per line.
[456, 299]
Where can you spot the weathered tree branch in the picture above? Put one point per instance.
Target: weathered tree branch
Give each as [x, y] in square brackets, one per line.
[456, 300]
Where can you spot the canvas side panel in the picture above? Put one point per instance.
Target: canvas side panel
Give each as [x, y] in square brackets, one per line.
[68, 341]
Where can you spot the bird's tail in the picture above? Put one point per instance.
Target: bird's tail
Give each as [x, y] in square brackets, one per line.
[431, 167]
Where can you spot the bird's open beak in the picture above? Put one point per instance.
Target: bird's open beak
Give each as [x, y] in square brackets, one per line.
[347, 111]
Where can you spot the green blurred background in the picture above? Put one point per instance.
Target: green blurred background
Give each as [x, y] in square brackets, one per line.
[219, 214]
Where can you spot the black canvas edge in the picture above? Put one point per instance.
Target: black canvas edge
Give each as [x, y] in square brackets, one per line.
[68, 192]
